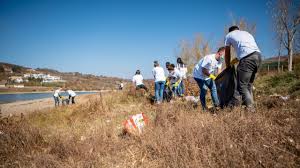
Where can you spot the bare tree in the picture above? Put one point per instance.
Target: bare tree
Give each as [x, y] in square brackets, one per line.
[192, 52]
[286, 18]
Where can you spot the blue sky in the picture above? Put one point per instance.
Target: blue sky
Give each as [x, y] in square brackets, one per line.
[114, 38]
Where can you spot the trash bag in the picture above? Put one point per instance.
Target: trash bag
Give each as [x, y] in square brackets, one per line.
[226, 83]
[167, 94]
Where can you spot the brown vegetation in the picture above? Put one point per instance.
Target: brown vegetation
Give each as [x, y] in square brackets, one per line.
[179, 135]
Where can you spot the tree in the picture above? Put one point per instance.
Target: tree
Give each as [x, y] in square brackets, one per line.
[192, 52]
[286, 19]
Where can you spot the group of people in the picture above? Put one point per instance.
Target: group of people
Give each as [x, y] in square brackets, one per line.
[205, 71]
[166, 86]
[58, 97]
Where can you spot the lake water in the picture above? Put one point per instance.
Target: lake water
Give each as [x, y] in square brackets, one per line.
[8, 98]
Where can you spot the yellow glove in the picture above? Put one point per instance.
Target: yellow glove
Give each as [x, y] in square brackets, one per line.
[176, 84]
[213, 77]
[234, 61]
[167, 83]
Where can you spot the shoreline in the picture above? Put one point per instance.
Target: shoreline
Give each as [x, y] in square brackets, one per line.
[29, 106]
[1, 93]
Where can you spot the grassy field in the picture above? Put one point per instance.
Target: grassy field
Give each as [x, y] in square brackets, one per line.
[178, 135]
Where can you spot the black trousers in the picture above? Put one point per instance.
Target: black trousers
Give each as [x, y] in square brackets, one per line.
[246, 71]
[73, 99]
[142, 87]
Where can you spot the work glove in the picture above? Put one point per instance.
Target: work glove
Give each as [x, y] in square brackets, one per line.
[167, 83]
[234, 61]
[213, 77]
[176, 84]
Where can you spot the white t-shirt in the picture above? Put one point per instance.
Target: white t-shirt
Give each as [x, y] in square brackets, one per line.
[243, 43]
[56, 93]
[137, 79]
[208, 62]
[71, 93]
[159, 74]
[174, 76]
[182, 69]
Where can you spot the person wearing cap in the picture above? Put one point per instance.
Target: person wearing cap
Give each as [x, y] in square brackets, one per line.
[137, 80]
[174, 80]
[204, 74]
[160, 79]
[249, 57]
[56, 96]
[183, 71]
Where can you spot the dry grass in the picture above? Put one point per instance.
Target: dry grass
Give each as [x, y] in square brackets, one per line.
[178, 135]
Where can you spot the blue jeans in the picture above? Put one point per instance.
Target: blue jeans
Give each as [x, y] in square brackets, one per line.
[181, 88]
[203, 85]
[159, 90]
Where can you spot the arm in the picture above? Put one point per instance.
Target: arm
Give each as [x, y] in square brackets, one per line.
[205, 71]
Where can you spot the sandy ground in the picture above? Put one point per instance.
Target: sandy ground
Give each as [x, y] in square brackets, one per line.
[25, 107]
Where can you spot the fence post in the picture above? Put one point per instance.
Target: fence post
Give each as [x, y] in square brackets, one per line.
[268, 68]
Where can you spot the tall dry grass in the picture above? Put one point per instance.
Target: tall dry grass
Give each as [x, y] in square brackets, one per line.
[178, 135]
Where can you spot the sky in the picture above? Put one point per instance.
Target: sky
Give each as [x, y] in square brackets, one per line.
[115, 38]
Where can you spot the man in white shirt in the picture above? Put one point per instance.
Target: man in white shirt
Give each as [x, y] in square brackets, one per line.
[56, 96]
[204, 74]
[137, 80]
[160, 80]
[249, 57]
[72, 95]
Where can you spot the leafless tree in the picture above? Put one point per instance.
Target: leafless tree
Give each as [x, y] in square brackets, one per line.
[192, 51]
[286, 18]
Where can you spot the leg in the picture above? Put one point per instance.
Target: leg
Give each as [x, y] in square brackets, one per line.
[54, 100]
[156, 86]
[161, 92]
[182, 87]
[73, 100]
[213, 89]
[245, 76]
[203, 90]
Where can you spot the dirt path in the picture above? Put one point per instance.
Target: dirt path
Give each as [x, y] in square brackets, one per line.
[28, 106]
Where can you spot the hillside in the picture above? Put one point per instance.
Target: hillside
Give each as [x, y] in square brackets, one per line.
[74, 80]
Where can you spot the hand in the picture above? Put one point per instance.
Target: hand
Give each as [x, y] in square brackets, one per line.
[213, 77]
[176, 84]
[234, 61]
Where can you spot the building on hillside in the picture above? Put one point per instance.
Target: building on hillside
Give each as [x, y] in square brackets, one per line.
[30, 70]
[16, 79]
[46, 78]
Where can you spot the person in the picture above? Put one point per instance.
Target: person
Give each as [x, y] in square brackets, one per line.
[137, 80]
[249, 57]
[56, 96]
[64, 100]
[121, 86]
[174, 79]
[204, 74]
[72, 95]
[183, 71]
[160, 79]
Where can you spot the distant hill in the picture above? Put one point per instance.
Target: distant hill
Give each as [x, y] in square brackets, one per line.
[74, 80]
